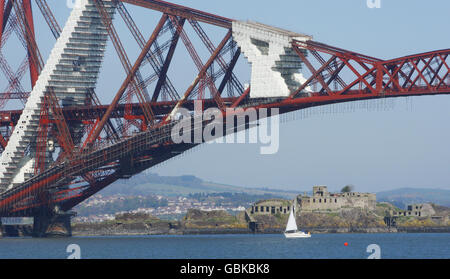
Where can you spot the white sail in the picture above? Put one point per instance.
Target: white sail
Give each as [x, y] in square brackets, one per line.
[291, 224]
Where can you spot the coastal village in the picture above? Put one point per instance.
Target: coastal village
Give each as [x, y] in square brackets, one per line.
[175, 206]
[320, 212]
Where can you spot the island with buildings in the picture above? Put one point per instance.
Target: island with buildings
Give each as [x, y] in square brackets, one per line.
[320, 212]
[346, 212]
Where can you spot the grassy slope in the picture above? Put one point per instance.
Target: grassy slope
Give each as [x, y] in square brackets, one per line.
[146, 187]
[404, 196]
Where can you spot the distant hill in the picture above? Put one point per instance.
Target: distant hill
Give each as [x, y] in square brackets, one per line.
[153, 184]
[150, 183]
[404, 196]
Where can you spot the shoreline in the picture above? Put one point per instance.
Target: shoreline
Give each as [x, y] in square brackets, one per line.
[90, 230]
[268, 231]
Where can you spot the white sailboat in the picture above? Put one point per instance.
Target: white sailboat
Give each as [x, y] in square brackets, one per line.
[292, 230]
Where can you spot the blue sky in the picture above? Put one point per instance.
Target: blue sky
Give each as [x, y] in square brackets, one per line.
[399, 143]
[405, 144]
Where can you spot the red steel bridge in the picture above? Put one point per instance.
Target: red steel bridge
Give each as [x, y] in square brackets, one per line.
[60, 145]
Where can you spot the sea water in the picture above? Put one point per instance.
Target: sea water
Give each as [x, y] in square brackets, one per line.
[245, 246]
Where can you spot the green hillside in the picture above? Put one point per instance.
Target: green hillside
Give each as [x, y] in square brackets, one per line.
[404, 196]
[153, 184]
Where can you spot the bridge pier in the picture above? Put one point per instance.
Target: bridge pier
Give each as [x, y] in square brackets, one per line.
[52, 225]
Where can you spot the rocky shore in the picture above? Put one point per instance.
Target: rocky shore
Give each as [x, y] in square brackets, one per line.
[221, 222]
[98, 229]
[94, 230]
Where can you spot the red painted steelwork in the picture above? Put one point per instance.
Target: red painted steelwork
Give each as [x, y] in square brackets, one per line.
[105, 150]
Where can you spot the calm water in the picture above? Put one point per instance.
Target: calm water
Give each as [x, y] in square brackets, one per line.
[232, 246]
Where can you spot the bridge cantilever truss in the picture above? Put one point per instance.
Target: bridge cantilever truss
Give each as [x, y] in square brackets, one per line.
[64, 145]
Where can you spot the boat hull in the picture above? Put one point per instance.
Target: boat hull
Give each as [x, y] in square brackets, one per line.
[297, 235]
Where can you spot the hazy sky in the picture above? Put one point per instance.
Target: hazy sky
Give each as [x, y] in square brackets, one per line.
[398, 143]
[406, 145]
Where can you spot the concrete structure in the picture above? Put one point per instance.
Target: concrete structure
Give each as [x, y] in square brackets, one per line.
[416, 210]
[275, 64]
[322, 200]
[71, 70]
[271, 207]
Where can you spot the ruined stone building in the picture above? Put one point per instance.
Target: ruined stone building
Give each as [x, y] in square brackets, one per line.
[416, 210]
[271, 207]
[322, 200]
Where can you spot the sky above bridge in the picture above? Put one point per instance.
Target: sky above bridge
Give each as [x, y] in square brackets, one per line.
[375, 145]
[399, 143]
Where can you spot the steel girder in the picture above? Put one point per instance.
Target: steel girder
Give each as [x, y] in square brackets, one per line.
[104, 153]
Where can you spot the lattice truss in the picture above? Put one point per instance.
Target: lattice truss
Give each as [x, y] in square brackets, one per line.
[63, 138]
